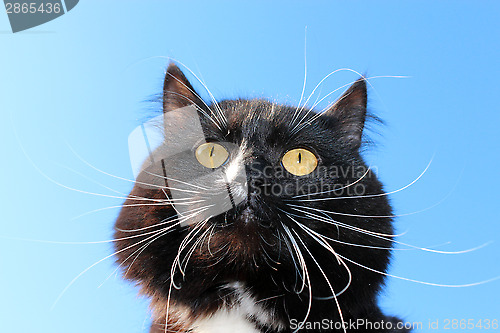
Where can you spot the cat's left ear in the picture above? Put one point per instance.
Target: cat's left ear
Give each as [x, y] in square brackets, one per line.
[350, 112]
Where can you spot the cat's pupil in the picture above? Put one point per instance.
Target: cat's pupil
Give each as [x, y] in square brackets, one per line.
[300, 158]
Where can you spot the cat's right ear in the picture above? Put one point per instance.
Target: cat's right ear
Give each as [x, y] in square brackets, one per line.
[177, 91]
[350, 112]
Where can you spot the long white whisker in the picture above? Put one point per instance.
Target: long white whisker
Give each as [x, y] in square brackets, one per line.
[334, 295]
[93, 265]
[118, 177]
[422, 282]
[199, 241]
[192, 213]
[383, 236]
[296, 128]
[90, 179]
[305, 79]
[334, 190]
[162, 233]
[373, 195]
[305, 272]
[185, 242]
[297, 270]
[178, 181]
[321, 240]
[384, 216]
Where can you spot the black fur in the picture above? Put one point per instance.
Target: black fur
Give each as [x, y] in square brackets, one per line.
[249, 243]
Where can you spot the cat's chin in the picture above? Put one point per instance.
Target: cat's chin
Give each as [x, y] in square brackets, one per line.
[247, 217]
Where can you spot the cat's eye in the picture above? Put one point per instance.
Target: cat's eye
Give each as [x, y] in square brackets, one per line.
[211, 155]
[299, 162]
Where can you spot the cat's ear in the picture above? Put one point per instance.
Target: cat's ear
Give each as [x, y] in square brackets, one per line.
[350, 112]
[177, 91]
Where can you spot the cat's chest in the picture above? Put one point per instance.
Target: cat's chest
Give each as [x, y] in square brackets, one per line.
[225, 321]
[244, 315]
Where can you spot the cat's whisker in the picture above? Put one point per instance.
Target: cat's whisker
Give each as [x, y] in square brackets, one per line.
[301, 208]
[296, 113]
[115, 176]
[91, 180]
[43, 241]
[60, 184]
[422, 282]
[318, 114]
[300, 125]
[309, 110]
[163, 202]
[347, 226]
[334, 295]
[366, 79]
[298, 273]
[322, 241]
[113, 207]
[306, 275]
[185, 242]
[221, 257]
[109, 256]
[192, 213]
[198, 242]
[308, 98]
[388, 216]
[169, 296]
[178, 181]
[159, 234]
[209, 240]
[162, 222]
[140, 250]
[334, 190]
[368, 195]
[177, 219]
[268, 258]
[75, 189]
[93, 265]
[300, 258]
[383, 236]
[160, 187]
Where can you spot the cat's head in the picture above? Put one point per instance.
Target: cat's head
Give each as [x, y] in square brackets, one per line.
[272, 196]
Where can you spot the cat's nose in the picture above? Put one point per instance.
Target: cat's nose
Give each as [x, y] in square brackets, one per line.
[256, 178]
[256, 186]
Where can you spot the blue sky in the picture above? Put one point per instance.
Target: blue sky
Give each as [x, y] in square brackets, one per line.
[74, 88]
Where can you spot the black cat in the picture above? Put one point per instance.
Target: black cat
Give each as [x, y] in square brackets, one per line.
[258, 217]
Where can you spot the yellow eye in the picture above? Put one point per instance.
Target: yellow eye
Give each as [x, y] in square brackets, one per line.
[211, 155]
[299, 162]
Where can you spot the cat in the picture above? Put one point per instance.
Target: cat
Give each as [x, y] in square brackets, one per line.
[254, 216]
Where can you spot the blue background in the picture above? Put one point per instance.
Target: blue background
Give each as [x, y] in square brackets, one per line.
[81, 83]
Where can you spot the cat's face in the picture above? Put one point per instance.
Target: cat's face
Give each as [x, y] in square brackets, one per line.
[272, 196]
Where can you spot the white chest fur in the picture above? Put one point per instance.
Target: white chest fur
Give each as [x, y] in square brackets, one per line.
[240, 317]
